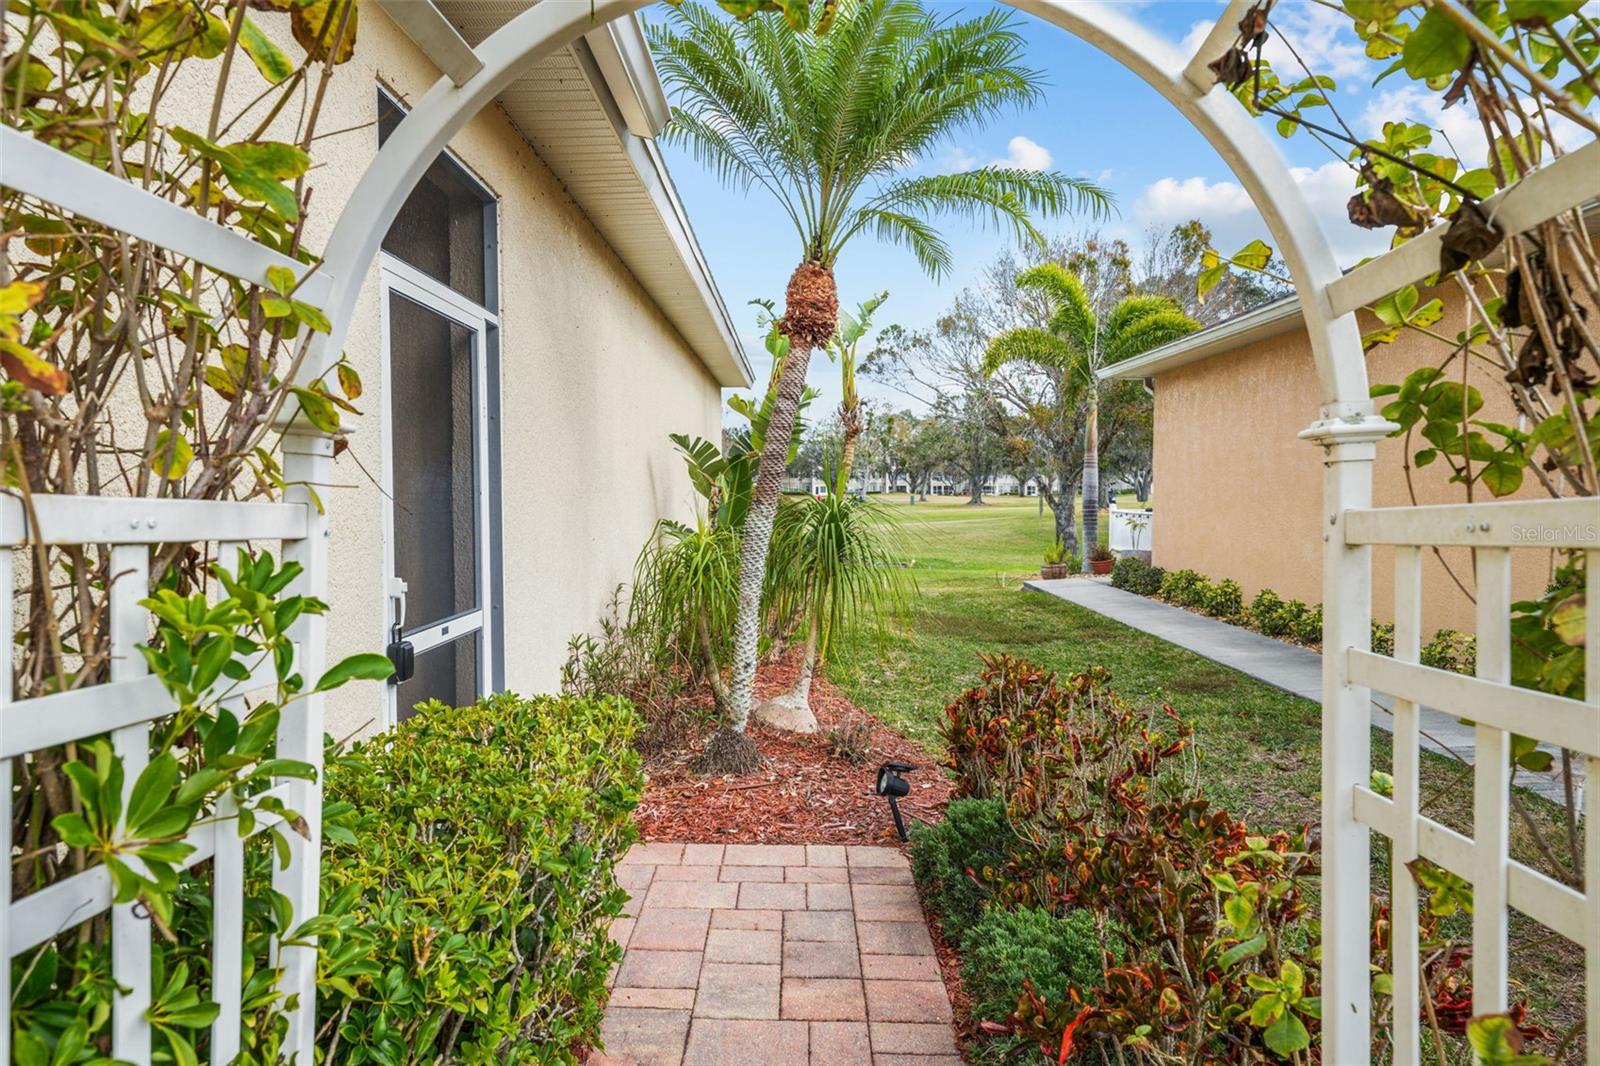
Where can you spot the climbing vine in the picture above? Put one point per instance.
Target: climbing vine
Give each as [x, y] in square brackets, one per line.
[1529, 72]
[131, 370]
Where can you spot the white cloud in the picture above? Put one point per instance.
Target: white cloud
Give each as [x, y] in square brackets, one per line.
[957, 159]
[1024, 154]
[1226, 208]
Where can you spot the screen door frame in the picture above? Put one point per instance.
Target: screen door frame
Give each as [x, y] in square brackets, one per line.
[396, 278]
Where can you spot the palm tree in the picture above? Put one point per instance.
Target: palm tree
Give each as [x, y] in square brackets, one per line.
[825, 120]
[1077, 342]
[839, 555]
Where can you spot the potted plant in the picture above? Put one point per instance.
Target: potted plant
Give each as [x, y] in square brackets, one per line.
[1058, 562]
[1101, 559]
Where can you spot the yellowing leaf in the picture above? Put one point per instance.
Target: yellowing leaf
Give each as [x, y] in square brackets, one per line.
[172, 456]
[349, 381]
[268, 57]
[1570, 619]
[316, 26]
[1253, 256]
[24, 365]
[18, 296]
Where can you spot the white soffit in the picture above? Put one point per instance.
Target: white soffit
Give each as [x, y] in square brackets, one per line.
[591, 112]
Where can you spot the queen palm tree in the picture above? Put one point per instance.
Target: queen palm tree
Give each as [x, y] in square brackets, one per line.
[1077, 342]
[827, 121]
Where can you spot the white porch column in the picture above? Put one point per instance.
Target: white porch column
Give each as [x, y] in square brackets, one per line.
[308, 469]
[1349, 448]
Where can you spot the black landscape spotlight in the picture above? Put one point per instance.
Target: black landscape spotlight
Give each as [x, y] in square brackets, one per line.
[891, 786]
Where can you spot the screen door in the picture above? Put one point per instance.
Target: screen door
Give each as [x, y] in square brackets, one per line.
[438, 482]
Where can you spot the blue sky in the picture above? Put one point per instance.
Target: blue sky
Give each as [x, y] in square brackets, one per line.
[1097, 120]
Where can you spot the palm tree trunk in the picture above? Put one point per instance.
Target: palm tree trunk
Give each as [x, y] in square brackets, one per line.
[1091, 479]
[811, 312]
[850, 420]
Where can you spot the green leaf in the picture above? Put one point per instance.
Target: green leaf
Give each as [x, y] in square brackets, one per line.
[28, 1049]
[280, 279]
[268, 57]
[366, 666]
[173, 455]
[74, 830]
[150, 792]
[318, 409]
[1246, 949]
[1436, 47]
[1479, 182]
[1287, 1035]
[1546, 12]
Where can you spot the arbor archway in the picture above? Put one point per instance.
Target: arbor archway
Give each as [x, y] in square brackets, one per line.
[1344, 425]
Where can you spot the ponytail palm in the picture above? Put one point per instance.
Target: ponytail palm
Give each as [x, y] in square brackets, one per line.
[825, 123]
[841, 561]
[1075, 345]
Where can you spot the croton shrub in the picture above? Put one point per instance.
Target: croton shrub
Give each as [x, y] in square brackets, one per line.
[1205, 934]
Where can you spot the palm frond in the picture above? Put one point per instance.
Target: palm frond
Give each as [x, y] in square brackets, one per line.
[839, 559]
[1029, 344]
[989, 196]
[1147, 334]
[909, 231]
[1133, 309]
[1073, 318]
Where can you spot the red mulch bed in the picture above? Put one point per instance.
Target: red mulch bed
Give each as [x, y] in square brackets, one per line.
[801, 794]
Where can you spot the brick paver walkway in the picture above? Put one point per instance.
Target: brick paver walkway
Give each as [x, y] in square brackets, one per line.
[783, 955]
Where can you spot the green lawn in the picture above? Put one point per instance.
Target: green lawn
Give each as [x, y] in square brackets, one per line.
[1259, 747]
[969, 566]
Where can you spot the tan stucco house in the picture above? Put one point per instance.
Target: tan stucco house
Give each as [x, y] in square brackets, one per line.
[541, 318]
[1240, 496]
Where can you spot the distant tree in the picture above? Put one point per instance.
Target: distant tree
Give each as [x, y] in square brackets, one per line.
[886, 441]
[818, 451]
[1076, 344]
[1130, 459]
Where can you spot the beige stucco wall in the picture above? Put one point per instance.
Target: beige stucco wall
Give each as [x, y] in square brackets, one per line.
[1240, 496]
[593, 378]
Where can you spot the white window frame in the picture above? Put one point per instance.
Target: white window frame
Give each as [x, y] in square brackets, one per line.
[398, 278]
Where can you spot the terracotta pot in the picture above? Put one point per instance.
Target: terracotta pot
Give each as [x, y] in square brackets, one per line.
[1102, 566]
[1052, 571]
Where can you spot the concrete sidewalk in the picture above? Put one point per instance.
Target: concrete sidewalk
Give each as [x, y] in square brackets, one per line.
[1286, 666]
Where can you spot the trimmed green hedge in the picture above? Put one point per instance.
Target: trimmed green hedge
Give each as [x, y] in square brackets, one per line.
[974, 835]
[1006, 947]
[468, 873]
[1272, 615]
[1136, 575]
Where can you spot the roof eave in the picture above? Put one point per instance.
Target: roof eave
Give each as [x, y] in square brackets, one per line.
[730, 365]
[623, 56]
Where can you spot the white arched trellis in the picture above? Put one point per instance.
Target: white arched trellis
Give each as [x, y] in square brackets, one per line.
[1344, 427]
